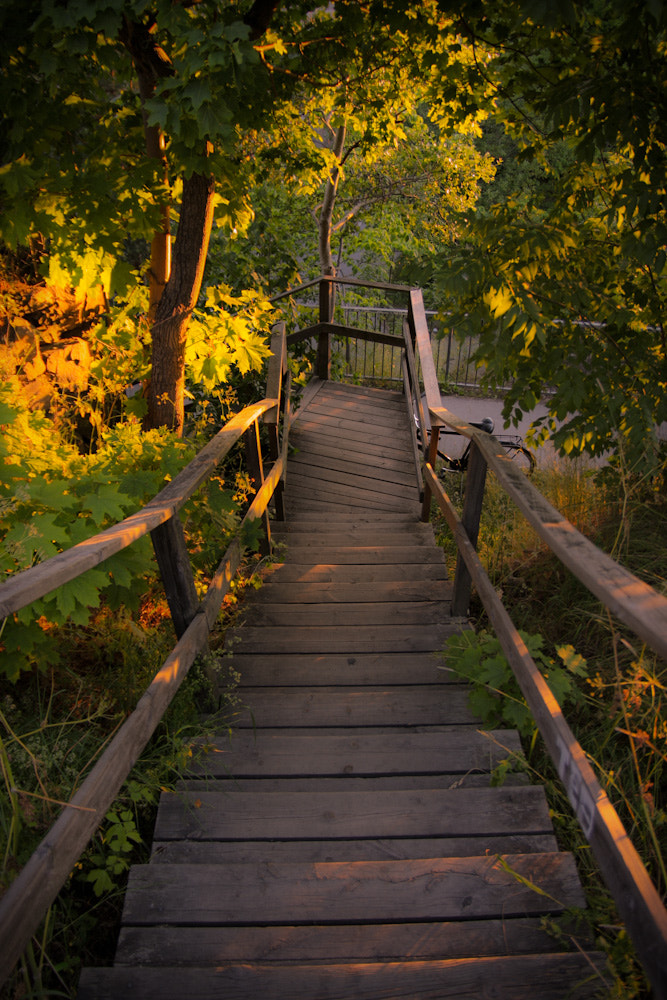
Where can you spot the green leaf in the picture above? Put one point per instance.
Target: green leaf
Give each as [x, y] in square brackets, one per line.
[106, 504]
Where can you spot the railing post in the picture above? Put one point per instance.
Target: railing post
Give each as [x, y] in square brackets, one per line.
[175, 567]
[327, 294]
[277, 367]
[256, 472]
[432, 459]
[472, 512]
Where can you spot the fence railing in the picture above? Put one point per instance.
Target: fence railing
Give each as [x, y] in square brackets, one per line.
[28, 898]
[372, 362]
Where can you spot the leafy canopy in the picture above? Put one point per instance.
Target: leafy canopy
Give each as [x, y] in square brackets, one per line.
[568, 292]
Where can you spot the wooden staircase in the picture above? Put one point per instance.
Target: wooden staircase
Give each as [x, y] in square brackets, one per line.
[345, 841]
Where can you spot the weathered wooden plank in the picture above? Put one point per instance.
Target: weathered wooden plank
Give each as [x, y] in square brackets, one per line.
[355, 639]
[346, 668]
[344, 430]
[212, 815]
[367, 706]
[393, 486]
[360, 593]
[321, 448]
[357, 446]
[422, 340]
[396, 848]
[344, 614]
[389, 533]
[553, 977]
[325, 943]
[258, 754]
[308, 572]
[343, 465]
[366, 891]
[361, 555]
[323, 490]
[381, 396]
[325, 413]
[307, 493]
[361, 517]
[305, 501]
[369, 412]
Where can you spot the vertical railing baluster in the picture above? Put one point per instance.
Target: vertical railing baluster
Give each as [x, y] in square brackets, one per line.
[472, 512]
[327, 299]
[256, 473]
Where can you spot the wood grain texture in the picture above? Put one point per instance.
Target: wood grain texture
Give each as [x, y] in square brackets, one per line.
[379, 849]
[354, 706]
[318, 669]
[555, 977]
[355, 639]
[327, 943]
[364, 752]
[223, 815]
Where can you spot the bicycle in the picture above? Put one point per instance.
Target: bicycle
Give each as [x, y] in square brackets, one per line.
[512, 443]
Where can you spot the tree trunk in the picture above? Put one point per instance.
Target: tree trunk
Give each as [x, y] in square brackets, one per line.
[151, 65]
[166, 388]
[325, 221]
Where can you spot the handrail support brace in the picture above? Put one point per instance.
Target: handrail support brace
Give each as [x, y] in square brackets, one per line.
[472, 512]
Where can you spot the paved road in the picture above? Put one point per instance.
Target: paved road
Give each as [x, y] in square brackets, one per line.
[473, 408]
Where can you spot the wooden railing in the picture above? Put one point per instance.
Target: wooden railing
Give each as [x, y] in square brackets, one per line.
[633, 602]
[28, 898]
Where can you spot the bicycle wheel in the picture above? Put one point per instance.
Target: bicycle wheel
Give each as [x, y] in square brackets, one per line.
[523, 457]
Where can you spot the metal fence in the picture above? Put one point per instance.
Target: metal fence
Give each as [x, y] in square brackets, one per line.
[364, 361]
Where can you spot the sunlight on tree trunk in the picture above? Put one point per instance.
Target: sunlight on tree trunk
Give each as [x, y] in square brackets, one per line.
[169, 331]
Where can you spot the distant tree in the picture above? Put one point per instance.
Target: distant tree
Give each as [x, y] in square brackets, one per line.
[569, 291]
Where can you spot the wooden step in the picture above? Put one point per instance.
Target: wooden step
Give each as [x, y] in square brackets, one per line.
[356, 892]
[322, 669]
[354, 706]
[362, 752]
[331, 943]
[515, 977]
[220, 814]
[344, 614]
[311, 572]
[378, 849]
[351, 640]
[309, 592]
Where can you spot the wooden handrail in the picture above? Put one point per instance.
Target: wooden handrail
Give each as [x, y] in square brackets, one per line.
[31, 893]
[338, 330]
[637, 899]
[631, 600]
[37, 581]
